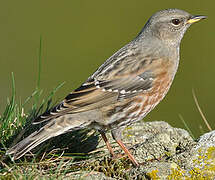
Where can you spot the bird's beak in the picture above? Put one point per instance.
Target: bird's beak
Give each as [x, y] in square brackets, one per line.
[194, 19]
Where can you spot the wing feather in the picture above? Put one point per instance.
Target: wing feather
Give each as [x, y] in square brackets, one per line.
[96, 92]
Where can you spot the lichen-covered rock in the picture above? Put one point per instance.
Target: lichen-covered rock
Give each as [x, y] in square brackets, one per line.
[161, 141]
[93, 175]
[168, 153]
[202, 160]
[162, 151]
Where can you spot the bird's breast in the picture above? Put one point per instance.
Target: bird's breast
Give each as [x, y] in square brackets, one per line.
[138, 107]
[164, 75]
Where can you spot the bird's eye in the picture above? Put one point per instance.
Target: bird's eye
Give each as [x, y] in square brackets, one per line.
[176, 22]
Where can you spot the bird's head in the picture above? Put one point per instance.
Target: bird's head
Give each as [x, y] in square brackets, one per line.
[170, 25]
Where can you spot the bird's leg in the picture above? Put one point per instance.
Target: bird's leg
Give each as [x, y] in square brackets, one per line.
[116, 133]
[107, 143]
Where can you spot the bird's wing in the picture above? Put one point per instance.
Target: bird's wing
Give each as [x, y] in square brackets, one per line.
[95, 94]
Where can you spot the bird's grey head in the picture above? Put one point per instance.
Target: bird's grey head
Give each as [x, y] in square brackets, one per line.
[170, 25]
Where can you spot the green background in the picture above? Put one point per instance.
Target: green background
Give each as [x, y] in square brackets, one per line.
[79, 35]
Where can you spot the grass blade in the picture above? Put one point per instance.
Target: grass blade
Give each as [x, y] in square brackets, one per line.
[200, 111]
[186, 126]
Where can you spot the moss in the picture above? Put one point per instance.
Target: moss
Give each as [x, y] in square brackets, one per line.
[116, 168]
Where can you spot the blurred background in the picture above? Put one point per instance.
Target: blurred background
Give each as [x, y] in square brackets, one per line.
[78, 36]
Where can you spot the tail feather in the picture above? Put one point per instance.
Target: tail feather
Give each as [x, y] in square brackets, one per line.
[54, 128]
[27, 144]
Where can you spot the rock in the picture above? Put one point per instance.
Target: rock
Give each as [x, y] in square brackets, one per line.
[161, 141]
[93, 175]
[164, 152]
[168, 153]
[202, 160]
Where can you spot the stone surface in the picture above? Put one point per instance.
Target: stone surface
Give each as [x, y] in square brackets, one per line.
[202, 159]
[164, 152]
[167, 153]
[93, 175]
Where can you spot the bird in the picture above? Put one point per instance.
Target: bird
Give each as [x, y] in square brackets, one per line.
[123, 90]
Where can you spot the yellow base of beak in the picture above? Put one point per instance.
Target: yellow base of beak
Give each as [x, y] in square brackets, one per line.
[195, 19]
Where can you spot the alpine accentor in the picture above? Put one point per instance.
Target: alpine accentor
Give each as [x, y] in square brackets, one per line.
[124, 89]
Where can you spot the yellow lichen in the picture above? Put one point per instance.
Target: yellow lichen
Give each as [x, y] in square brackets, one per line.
[153, 174]
[205, 164]
[211, 153]
[176, 173]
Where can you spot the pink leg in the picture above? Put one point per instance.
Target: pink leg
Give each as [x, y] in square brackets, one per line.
[107, 143]
[127, 152]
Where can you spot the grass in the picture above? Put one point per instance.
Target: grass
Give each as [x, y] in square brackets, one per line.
[49, 162]
[205, 121]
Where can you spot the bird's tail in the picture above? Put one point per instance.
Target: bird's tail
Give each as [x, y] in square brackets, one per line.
[54, 128]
